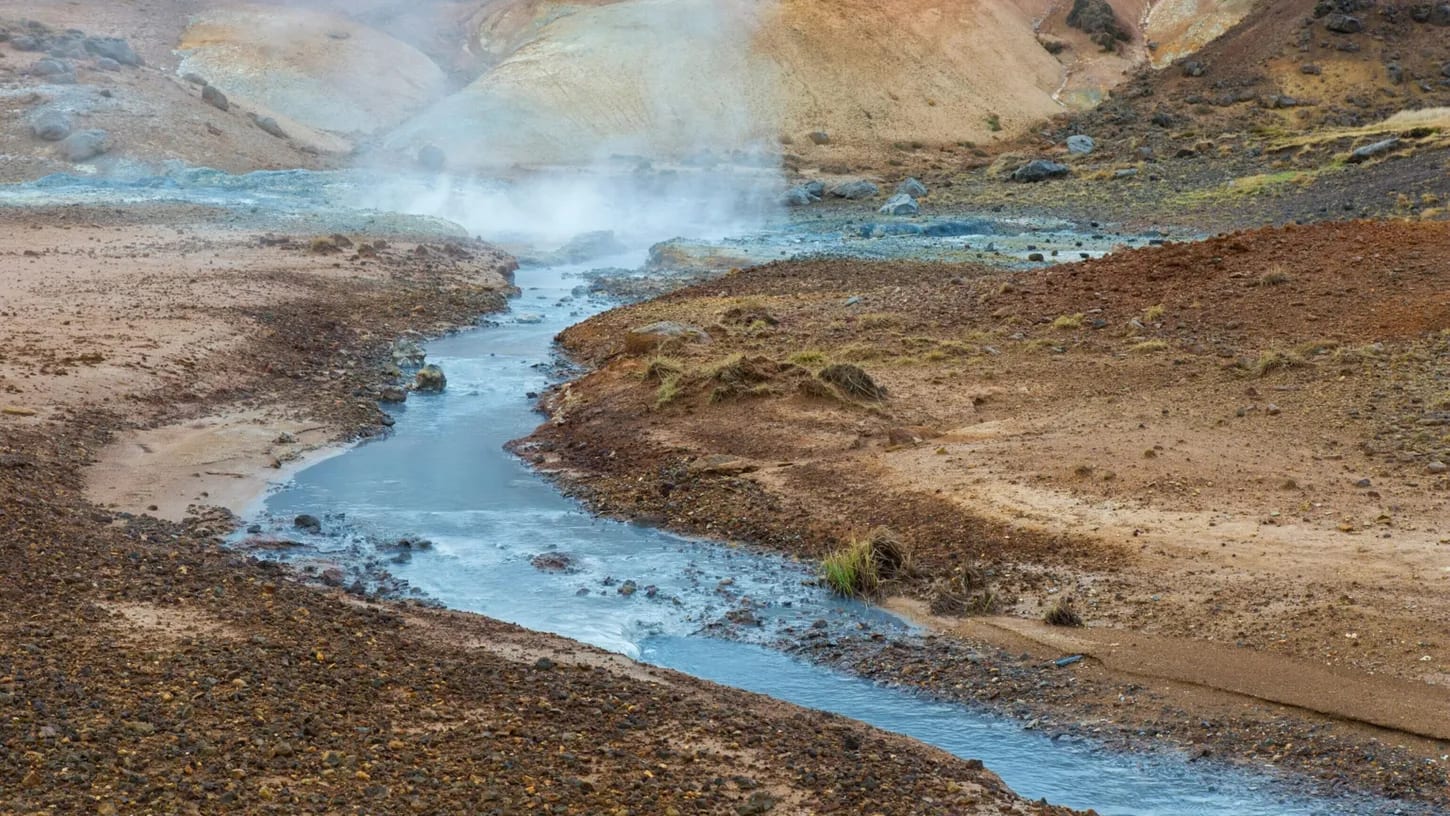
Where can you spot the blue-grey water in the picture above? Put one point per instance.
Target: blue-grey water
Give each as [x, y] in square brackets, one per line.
[444, 476]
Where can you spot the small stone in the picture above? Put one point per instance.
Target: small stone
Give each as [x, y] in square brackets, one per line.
[1437, 467]
[819, 137]
[107, 64]
[1080, 145]
[308, 523]
[1363, 483]
[544, 664]
[900, 204]
[1272, 410]
[394, 394]
[912, 187]
[52, 126]
[85, 145]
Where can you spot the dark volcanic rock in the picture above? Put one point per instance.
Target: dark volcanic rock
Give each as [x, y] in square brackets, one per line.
[113, 48]
[1040, 170]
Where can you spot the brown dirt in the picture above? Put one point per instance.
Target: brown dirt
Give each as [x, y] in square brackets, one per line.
[1228, 442]
[145, 669]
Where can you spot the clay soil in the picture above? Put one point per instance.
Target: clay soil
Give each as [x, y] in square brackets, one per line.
[1230, 456]
[144, 668]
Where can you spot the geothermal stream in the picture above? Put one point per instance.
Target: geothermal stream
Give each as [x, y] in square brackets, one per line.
[444, 477]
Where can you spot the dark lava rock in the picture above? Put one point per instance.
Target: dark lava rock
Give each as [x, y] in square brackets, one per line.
[554, 562]
[1040, 170]
[306, 523]
[1343, 24]
[215, 98]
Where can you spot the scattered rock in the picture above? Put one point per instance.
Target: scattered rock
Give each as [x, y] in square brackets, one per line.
[1040, 170]
[429, 380]
[1125, 173]
[214, 97]
[51, 126]
[819, 137]
[393, 393]
[407, 353]
[554, 562]
[113, 48]
[815, 187]
[84, 145]
[719, 464]
[798, 197]
[1436, 468]
[900, 204]
[1080, 145]
[1036, 257]
[1369, 151]
[911, 187]
[1343, 24]
[308, 524]
[49, 68]
[855, 190]
[107, 64]
[655, 336]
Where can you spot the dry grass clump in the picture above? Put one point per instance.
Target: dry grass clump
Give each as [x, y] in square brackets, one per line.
[1073, 321]
[963, 593]
[1148, 347]
[1062, 614]
[1271, 361]
[660, 369]
[1153, 314]
[1275, 277]
[852, 381]
[809, 358]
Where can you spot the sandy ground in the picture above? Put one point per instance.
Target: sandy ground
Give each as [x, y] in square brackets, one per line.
[1230, 455]
[145, 669]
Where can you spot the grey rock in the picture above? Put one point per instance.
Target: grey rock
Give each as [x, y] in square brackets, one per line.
[1310, 69]
[1126, 173]
[51, 126]
[269, 126]
[306, 523]
[25, 42]
[855, 190]
[84, 145]
[49, 67]
[406, 352]
[215, 98]
[1437, 467]
[1369, 151]
[819, 137]
[900, 204]
[1080, 145]
[113, 48]
[798, 197]
[432, 158]
[393, 394]
[1343, 24]
[1039, 170]
[817, 188]
[912, 187]
[194, 78]
[107, 64]
[429, 380]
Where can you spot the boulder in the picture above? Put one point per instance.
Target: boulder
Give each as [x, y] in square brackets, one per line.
[817, 187]
[308, 524]
[1369, 151]
[1343, 24]
[269, 126]
[655, 336]
[107, 64]
[429, 380]
[555, 562]
[1080, 145]
[393, 394]
[214, 97]
[406, 352]
[900, 204]
[112, 48]
[49, 67]
[1039, 170]
[798, 197]
[855, 190]
[51, 126]
[84, 145]
[911, 187]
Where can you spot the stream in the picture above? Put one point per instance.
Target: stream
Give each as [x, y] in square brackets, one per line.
[474, 517]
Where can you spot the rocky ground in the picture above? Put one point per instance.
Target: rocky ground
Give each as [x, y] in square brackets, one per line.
[1228, 455]
[145, 669]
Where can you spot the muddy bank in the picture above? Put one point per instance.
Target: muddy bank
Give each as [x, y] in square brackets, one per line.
[1217, 443]
[145, 668]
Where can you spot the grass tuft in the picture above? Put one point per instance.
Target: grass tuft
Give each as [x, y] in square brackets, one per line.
[1062, 614]
[1073, 321]
[1148, 347]
[860, 568]
[852, 381]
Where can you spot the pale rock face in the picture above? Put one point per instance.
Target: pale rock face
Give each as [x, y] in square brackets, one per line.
[571, 83]
[318, 69]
